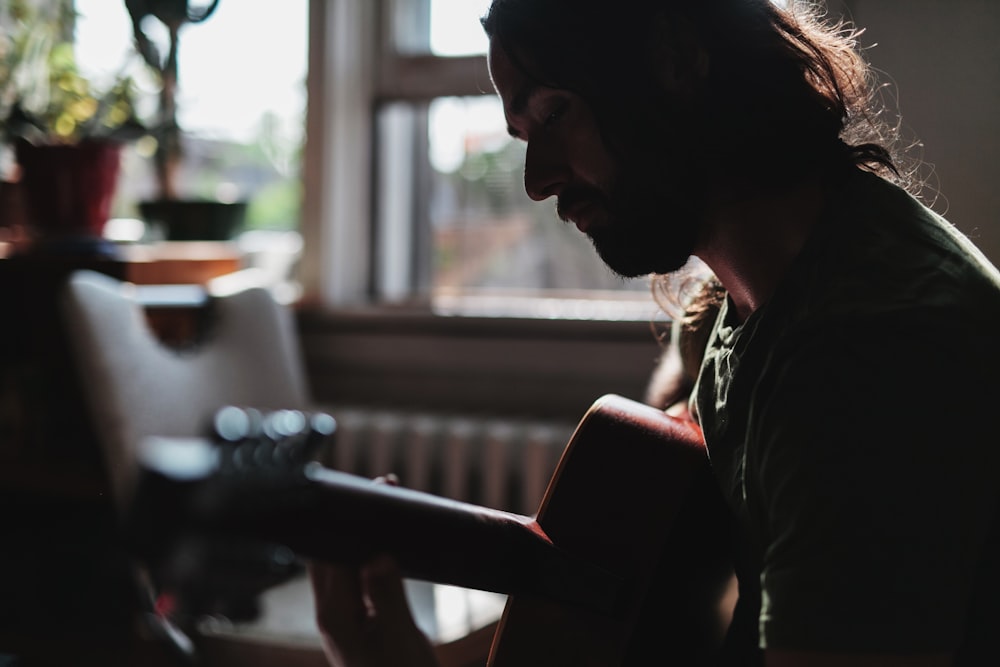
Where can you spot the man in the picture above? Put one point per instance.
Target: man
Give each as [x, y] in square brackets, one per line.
[849, 379]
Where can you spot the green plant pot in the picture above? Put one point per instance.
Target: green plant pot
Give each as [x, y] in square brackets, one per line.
[195, 219]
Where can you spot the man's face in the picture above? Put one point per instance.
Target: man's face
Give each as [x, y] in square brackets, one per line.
[635, 211]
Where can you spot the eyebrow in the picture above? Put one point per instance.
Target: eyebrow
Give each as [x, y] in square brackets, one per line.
[519, 104]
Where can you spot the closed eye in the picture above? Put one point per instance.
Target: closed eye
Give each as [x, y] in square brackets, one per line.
[556, 114]
[535, 108]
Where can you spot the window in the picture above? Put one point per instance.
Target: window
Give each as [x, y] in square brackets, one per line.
[241, 102]
[490, 250]
[413, 188]
[451, 227]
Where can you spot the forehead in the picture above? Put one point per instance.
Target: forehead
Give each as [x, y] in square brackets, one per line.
[506, 77]
[513, 86]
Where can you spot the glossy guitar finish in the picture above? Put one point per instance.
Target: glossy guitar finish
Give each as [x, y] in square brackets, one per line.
[613, 498]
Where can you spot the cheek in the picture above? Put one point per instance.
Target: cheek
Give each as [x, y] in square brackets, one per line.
[593, 163]
[595, 166]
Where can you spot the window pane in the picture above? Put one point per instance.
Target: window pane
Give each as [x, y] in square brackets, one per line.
[241, 101]
[455, 29]
[487, 232]
[487, 239]
[444, 27]
[438, 27]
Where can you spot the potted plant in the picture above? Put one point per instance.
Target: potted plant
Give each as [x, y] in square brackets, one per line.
[65, 132]
[182, 218]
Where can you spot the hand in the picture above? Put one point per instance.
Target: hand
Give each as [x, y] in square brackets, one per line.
[363, 614]
[364, 617]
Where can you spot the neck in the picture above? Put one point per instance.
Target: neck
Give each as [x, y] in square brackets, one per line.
[750, 243]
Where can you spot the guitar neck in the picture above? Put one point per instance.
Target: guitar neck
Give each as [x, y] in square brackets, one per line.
[438, 539]
[325, 514]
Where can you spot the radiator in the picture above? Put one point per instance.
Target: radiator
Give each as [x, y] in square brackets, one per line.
[499, 463]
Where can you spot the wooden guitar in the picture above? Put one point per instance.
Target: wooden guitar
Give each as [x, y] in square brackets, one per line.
[624, 507]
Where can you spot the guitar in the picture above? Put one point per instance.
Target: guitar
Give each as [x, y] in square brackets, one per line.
[617, 541]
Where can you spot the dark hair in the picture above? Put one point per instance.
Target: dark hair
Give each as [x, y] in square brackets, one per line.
[783, 92]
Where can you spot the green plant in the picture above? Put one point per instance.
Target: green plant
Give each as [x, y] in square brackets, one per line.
[44, 98]
[173, 14]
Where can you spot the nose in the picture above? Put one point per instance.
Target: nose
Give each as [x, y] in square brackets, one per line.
[546, 171]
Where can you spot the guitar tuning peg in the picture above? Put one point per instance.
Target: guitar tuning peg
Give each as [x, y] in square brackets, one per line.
[282, 424]
[231, 424]
[322, 424]
[256, 419]
[321, 427]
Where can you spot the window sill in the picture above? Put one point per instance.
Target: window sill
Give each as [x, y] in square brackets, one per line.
[409, 358]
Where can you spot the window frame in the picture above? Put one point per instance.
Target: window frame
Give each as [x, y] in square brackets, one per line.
[572, 362]
[352, 73]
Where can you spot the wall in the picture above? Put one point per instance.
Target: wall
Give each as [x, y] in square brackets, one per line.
[543, 369]
[942, 59]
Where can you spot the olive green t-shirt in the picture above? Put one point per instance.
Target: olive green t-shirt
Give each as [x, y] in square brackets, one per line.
[854, 424]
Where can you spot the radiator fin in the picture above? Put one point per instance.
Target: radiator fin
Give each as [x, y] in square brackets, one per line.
[499, 463]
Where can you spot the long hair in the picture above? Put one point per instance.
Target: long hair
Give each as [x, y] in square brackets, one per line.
[784, 92]
[783, 88]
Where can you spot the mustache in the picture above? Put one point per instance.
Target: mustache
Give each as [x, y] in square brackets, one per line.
[578, 195]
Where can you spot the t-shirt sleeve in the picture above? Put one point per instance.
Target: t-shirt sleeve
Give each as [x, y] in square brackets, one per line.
[871, 476]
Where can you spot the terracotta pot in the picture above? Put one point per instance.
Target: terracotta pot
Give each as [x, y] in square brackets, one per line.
[68, 192]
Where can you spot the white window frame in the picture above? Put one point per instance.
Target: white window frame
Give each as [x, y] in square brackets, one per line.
[349, 75]
[359, 349]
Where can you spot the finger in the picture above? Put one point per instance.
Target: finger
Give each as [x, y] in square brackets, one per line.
[395, 637]
[339, 598]
[391, 479]
[383, 584]
[341, 613]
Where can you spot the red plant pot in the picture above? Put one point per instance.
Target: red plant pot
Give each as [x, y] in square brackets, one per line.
[68, 189]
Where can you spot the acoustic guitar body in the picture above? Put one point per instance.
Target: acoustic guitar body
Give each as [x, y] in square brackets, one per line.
[632, 494]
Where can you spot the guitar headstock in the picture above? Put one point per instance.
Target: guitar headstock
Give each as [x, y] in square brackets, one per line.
[189, 490]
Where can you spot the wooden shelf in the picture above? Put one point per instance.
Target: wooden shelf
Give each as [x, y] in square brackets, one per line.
[180, 262]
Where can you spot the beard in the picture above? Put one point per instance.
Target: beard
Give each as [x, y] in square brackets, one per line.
[653, 210]
[652, 230]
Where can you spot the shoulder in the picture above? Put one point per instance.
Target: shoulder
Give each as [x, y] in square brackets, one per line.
[879, 250]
